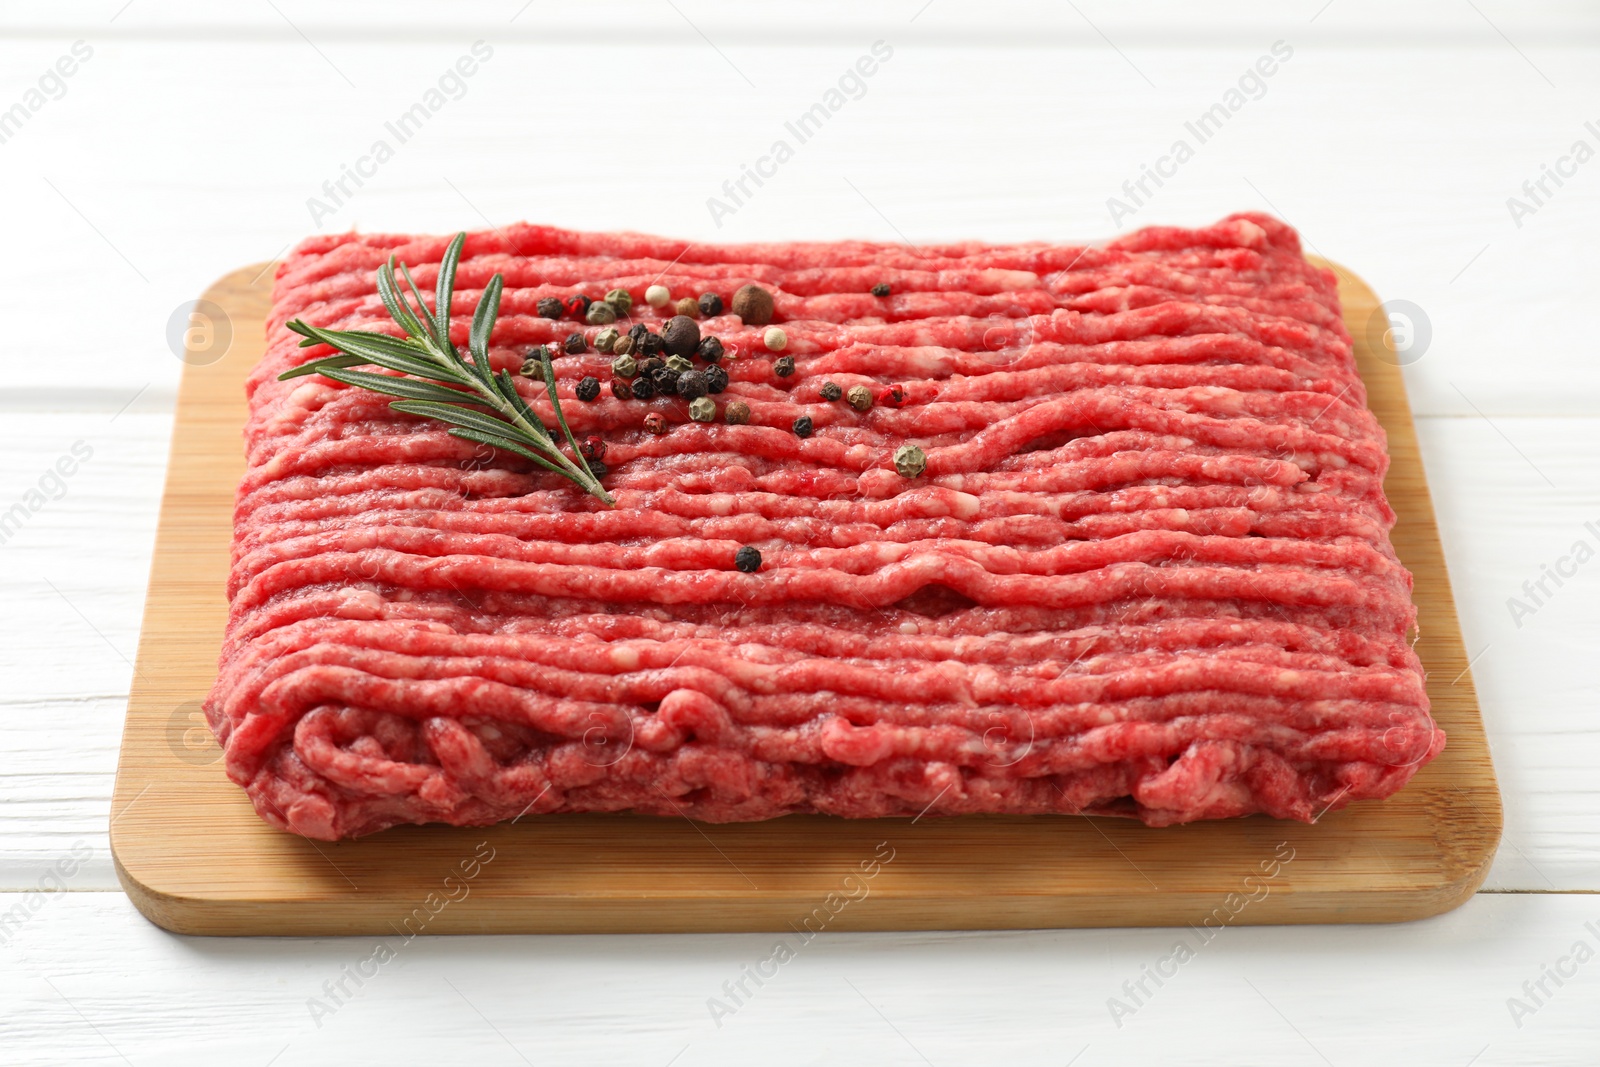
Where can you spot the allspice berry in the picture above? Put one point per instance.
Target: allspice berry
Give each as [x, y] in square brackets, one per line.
[703, 409]
[830, 391]
[910, 461]
[655, 423]
[860, 397]
[688, 306]
[681, 335]
[753, 304]
[736, 413]
[657, 296]
[620, 299]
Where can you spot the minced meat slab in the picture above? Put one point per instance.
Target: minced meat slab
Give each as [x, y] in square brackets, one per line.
[1146, 571]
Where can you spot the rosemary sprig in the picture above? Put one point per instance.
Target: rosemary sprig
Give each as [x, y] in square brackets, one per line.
[426, 353]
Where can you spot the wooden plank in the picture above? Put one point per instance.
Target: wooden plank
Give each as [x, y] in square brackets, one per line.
[194, 857]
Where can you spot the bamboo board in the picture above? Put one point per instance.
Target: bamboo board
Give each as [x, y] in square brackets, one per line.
[194, 857]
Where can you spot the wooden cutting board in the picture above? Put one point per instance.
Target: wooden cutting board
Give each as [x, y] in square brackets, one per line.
[194, 857]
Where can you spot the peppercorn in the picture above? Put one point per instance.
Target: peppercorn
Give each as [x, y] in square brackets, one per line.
[783, 366]
[775, 340]
[624, 367]
[621, 389]
[589, 388]
[753, 304]
[657, 296]
[736, 413]
[802, 426]
[709, 349]
[643, 388]
[716, 379]
[679, 364]
[910, 461]
[533, 367]
[574, 343]
[692, 385]
[688, 307]
[648, 367]
[747, 559]
[654, 423]
[702, 409]
[600, 313]
[592, 447]
[638, 331]
[666, 380]
[577, 305]
[892, 396]
[860, 397]
[680, 335]
[622, 346]
[830, 391]
[881, 289]
[549, 307]
[596, 468]
[651, 344]
[710, 304]
[606, 339]
[620, 299]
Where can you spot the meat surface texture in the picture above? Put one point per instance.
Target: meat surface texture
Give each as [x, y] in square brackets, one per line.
[1146, 571]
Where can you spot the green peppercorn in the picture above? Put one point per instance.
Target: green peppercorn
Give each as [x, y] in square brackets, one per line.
[620, 299]
[606, 339]
[702, 409]
[624, 367]
[600, 313]
[830, 391]
[710, 349]
[881, 289]
[736, 413]
[802, 426]
[860, 397]
[783, 366]
[710, 304]
[589, 388]
[679, 364]
[747, 559]
[533, 367]
[910, 461]
[574, 343]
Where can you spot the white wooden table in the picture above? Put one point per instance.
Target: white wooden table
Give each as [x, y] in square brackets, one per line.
[187, 141]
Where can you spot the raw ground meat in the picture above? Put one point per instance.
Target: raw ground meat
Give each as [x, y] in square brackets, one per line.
[1147, 571]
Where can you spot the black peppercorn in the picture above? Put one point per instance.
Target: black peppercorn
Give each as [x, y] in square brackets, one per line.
[681, 335]
[549, 307]
[666, 380]
[574, 343]
[802, 426]
[747, 559]
[598, 469]
[621, 389]
[830, 391]
[692, 385]
[783, 366]
[637, 331]
[647, 367]
[710, 304]
[710, 350]
[643, 388]
[881, 289]
[589, 388]
[577, 305]
[716, 379]
[651, 344]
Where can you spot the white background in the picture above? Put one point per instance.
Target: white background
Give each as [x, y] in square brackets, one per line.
[189, 144]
